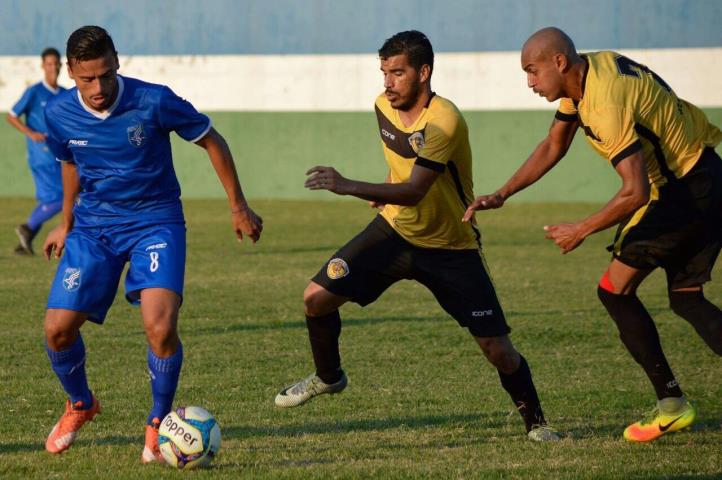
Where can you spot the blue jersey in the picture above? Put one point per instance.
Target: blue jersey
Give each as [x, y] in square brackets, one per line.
[123, 155]
[45, 170]
[32, 104]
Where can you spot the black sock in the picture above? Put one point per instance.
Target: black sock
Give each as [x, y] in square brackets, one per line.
[323, 332]
[520, 387]
[640, 336]
[704, 316]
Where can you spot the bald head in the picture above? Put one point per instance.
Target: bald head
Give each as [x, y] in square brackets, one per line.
[552, 64]
[548, 42]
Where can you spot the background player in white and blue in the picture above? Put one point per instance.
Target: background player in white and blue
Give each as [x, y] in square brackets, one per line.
[43, 167]
[121, 205]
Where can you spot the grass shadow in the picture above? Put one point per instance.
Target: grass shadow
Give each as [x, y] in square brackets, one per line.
[243, 432]
[364, 425]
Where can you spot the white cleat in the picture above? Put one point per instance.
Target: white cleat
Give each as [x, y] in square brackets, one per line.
[543, 433]
[308, 388]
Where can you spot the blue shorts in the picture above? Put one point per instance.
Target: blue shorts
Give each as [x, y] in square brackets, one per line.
[46, 173]
[90, 269]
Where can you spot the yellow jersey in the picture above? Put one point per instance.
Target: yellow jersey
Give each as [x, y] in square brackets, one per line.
[439, 140]
[626, 107]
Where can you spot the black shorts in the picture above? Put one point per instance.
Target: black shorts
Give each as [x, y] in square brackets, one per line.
[378, 257]
[681, 232]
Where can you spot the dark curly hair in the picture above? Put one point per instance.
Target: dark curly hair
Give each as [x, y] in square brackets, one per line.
[414, 44]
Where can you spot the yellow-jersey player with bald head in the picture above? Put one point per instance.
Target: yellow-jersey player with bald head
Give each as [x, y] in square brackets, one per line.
[668, 209]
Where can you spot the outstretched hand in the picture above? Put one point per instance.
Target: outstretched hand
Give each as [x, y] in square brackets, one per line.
[327, 178]
[245, 221]
[567, 236]
[483, 202]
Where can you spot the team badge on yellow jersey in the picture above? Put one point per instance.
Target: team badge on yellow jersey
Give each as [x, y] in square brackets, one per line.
[416, 140]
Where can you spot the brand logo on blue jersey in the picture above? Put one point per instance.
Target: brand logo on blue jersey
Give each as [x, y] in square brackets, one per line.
[136, 135]
[71, 279]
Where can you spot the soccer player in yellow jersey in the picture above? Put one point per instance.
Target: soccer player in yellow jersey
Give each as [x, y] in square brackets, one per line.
[418, 235]
[669, 207]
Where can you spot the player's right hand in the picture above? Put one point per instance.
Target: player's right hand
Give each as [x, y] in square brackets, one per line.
[55, 242]
[37, 137]
[375, 204]
[245, 221]
[483, 202]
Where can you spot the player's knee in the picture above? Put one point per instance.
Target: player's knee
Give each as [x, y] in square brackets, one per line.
[684, 302]
[499, 352]
[315, 302]
[160, 330]
[605, 285]
[505, 361]
[58, 335]
[705, 317]
[609, 298]
[162, 339]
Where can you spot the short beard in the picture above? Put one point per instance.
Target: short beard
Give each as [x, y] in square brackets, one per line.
[412, 98]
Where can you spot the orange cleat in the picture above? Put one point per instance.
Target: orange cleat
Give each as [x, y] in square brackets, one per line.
[151, 452]
[66, 430]
[658, 423]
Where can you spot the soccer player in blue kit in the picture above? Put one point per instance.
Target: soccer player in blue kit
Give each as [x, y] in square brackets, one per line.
[121, 204]
[45, 170]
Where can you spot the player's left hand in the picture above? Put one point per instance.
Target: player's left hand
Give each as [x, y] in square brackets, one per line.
[245, 221]
[55, 242]
[327, 178]
[567, 236]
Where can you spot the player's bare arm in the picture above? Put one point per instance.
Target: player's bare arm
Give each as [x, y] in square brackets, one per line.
[55, 242]
[406, 193]
[633, 194]
[24, 129]
[544, 157]
[380, 205]
[245, 221]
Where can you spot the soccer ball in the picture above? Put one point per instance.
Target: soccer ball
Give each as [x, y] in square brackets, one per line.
[189, 437]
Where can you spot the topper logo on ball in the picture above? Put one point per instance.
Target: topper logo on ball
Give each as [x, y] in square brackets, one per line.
[179, 432]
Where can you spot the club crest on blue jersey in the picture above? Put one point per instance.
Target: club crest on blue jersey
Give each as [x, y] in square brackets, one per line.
[136, 135]
[71, 279]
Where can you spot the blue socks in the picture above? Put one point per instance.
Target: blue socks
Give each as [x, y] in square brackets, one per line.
[42, 213]
[69, 366]
[164, 373]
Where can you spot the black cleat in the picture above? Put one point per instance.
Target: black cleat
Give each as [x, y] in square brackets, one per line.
[25, 236]
[21, 252]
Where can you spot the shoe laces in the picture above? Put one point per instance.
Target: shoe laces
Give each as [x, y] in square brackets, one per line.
[308, 384]
[74, 416]
[543, 428]
[152, 432]
[155, 423]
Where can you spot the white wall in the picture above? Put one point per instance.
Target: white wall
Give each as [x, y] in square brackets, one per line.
[350, 82]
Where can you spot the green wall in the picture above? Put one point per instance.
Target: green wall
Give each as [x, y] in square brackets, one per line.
[273, 151]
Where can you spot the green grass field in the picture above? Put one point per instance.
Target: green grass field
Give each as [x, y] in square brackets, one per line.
[421, 401]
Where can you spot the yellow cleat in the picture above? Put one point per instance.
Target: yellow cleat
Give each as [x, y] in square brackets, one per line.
[656, 424]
